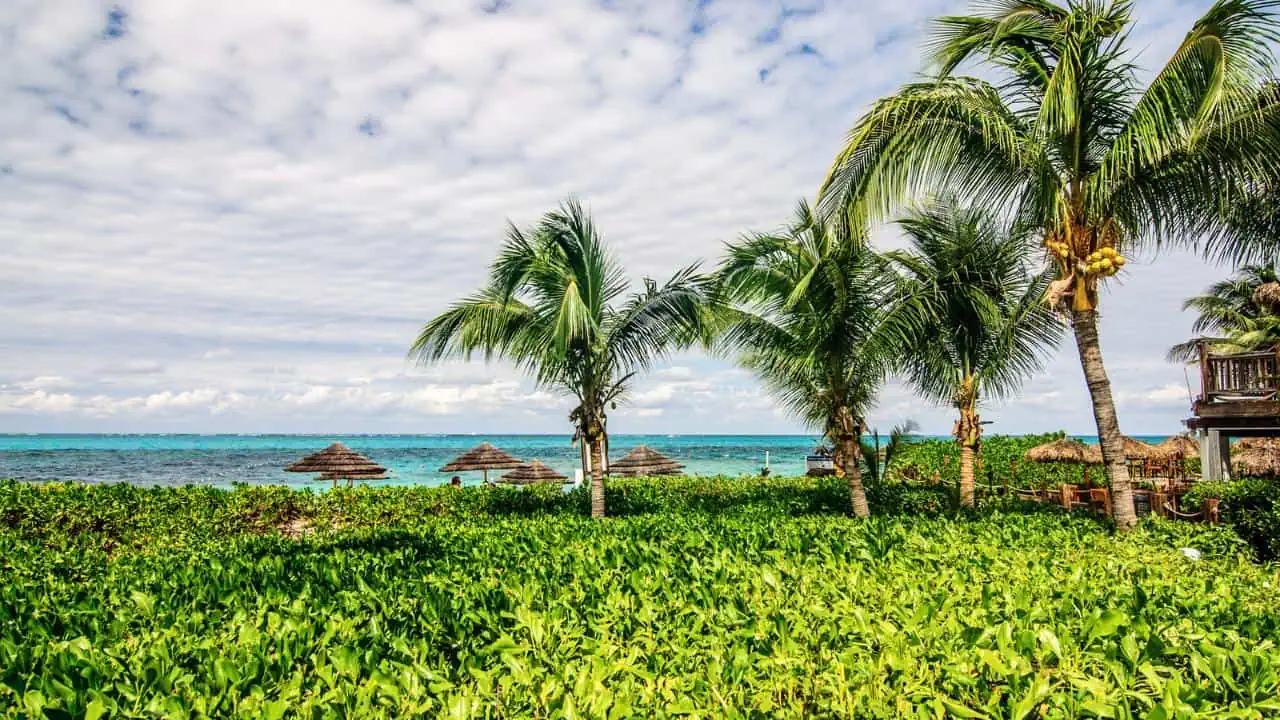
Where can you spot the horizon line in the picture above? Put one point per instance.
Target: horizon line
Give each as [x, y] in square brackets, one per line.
[529, 434]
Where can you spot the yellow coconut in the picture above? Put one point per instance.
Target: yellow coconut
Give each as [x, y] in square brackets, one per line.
[1120, 261]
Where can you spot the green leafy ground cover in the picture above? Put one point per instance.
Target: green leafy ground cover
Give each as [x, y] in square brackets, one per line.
[704, 598]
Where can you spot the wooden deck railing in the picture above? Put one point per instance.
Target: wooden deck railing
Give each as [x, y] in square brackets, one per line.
[1239, 376]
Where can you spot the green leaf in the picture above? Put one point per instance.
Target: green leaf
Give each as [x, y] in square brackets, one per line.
[143, 601]
[1049, 640]
[959, 710]
[1110, 621]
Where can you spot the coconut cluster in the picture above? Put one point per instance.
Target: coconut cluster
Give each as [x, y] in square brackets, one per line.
[1060, 250]
[1105, 261]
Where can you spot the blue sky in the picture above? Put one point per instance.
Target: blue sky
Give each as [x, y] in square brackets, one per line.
[234, 216]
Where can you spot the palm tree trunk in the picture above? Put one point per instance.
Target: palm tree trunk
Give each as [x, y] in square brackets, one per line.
[597, 476]
[1085, 325]
[847, 452]
[853, 476]
[846, 465]
[966, 476]
[968, 434]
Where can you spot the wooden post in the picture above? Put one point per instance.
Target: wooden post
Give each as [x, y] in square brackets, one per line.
[1211, 512]
[1204, 372]
[1067, 493]
[1215, 457]
[1013, 472]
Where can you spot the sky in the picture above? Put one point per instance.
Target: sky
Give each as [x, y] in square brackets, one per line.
[235, 216]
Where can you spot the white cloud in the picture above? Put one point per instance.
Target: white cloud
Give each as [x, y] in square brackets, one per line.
[134, 367]
[239, 214]
[1172, 395]
[47, 382]
[43, 402]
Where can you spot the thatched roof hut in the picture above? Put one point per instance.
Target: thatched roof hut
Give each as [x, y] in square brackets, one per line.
[483, 457]
[532, 473]
[645, 462]
[339, 462]
[1256, 457]
[1257, 443]
[1267, 295]
[1178, 446]
[1065, 450]
[1256, 462]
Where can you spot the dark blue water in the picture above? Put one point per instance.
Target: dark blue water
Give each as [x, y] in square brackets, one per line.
[222, 460]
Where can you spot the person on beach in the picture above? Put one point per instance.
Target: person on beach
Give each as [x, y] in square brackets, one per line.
[455, 481]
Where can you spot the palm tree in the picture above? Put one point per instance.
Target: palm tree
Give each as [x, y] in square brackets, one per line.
[804, 309]
[1067, 138]
[879, 458]
[978, 327]
[1235, 314]
[555, 307]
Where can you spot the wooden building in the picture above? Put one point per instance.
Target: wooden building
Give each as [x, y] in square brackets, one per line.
[1239, 397]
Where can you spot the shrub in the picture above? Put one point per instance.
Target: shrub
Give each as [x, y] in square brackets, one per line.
[1251, 506]
[1001, 463]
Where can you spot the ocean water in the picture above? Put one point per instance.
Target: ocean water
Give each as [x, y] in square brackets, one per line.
[223, 460]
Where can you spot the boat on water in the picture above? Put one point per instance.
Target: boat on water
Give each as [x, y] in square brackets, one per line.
[819, 464]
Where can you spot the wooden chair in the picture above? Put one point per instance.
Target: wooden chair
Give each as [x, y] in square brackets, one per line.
[1100, 500]
[1141, 502]
[1074, 498]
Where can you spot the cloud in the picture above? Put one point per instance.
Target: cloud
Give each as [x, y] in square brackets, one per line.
[47, 382]
[1172, 395]
[237, 215]
[134, 367]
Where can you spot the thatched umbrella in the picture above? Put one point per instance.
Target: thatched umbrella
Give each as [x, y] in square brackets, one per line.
[1065, 450]
[532, 473]
[1182, 446]
[483, 457]
[1135, 450]
[338, 462]
[645, 462]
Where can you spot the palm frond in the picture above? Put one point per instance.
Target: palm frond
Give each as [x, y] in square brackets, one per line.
[968, 308]
[953, 133]
[659, 319]
[555, 307]
[1227, 317]
[804, 315]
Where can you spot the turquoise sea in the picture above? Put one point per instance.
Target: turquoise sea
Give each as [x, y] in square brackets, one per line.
[222, 460]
